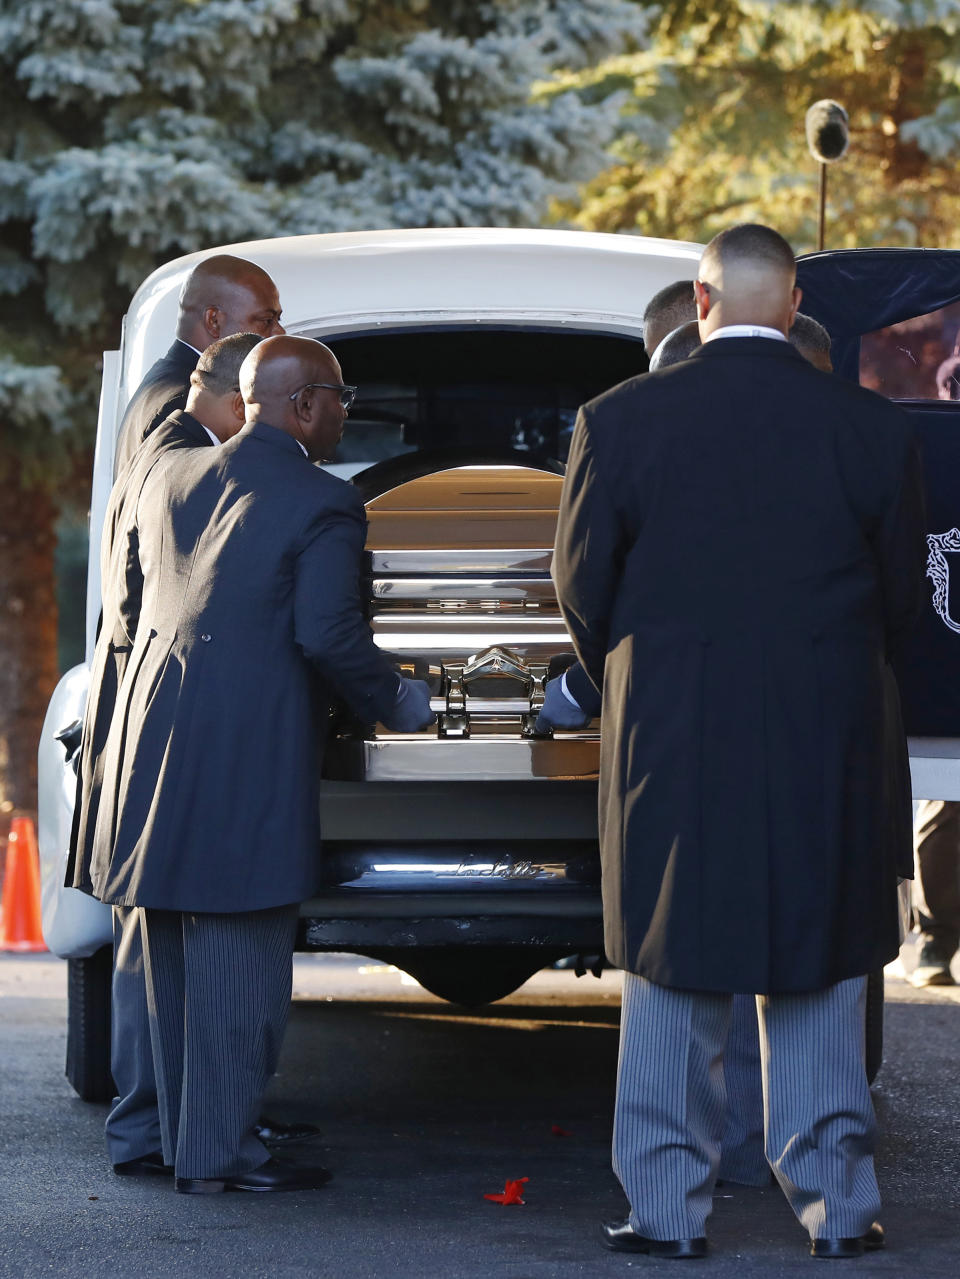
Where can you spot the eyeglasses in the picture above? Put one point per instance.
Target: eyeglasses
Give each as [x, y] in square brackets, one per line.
[347, 393]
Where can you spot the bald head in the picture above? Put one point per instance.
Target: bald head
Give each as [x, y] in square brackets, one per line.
[274, 369]
[223, 295]
[294, 384]
[747, 276]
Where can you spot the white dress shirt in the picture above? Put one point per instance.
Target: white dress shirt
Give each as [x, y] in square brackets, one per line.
[745, 331]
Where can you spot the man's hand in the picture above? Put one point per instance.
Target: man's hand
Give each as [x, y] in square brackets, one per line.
[559, 710]
[411, 712]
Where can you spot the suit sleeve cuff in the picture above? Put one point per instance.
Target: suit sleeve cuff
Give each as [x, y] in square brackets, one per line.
[566, 692]
[581, 689]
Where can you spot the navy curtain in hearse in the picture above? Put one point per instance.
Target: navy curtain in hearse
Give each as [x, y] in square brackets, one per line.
[893, 316]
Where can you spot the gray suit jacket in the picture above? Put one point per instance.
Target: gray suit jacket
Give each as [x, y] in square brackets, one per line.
[243, 567]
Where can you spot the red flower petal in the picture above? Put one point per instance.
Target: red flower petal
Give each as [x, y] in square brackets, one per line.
[511, 1192]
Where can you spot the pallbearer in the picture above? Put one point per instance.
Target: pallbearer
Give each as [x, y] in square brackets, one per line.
[242, 570]
[737, 576]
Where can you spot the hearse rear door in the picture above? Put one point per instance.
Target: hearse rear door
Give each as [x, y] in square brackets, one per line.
[893, 316]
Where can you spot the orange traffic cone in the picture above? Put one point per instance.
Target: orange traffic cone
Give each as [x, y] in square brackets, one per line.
[20, 916]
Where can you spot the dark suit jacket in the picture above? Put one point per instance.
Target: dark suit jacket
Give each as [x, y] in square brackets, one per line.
[581, 687]
[163, 391]
[736, 576]
[180, 431]
[246, 560]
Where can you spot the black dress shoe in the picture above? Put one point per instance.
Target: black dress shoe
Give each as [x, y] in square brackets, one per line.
[855, 1247]
[272, 1175]
[278, 1134]
[621, 1237]
[151, 1165]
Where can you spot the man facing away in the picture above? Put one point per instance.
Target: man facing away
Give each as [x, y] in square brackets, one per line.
[243, 567]
[666, 311]
[737, 575]
[222, 295]
[742, 1158]
[812, 341]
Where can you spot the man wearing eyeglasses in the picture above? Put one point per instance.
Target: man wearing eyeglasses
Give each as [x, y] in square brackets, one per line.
[214, 413]
[243, 565]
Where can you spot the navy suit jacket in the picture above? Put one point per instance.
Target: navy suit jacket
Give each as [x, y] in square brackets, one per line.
[179, 431]
[243, 574]
[738, 575]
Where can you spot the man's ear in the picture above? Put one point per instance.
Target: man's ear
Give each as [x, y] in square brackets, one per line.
[238, 408]
[211, 321]
[701, 293]
[303, 404]
[795, 305]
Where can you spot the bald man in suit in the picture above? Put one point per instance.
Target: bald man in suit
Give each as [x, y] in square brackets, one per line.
[222, 295]
[738, 578]
[214, 413]
[242, 568]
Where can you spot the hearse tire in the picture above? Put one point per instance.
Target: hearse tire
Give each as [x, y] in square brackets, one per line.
[88, 1025]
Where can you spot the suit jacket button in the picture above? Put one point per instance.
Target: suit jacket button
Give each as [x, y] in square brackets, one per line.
[206, 638]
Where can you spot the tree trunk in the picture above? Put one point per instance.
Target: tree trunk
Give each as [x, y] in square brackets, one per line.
[907, 100]
[28, 632]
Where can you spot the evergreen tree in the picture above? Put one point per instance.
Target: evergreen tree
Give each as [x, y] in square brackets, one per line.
[714, 129]
[132, 131]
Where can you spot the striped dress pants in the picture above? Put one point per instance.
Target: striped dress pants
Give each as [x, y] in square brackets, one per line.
[819, 1123]
[742, 1156]
[218, 995]
[133, 1124]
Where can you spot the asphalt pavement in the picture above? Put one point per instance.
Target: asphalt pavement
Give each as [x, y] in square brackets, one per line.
[425, 1108]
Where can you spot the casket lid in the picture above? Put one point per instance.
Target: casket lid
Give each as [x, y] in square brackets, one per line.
[468, 509]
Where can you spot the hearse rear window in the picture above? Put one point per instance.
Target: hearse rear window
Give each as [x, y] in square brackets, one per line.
[917, 359]
[483, 389]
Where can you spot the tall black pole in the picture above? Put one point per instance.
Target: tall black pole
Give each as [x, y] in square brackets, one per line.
[822, 216]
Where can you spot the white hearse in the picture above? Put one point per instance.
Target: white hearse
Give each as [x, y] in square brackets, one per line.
[468, 854]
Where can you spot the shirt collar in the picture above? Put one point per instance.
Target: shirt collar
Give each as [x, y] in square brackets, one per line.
[189, 347]
[745, 331]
